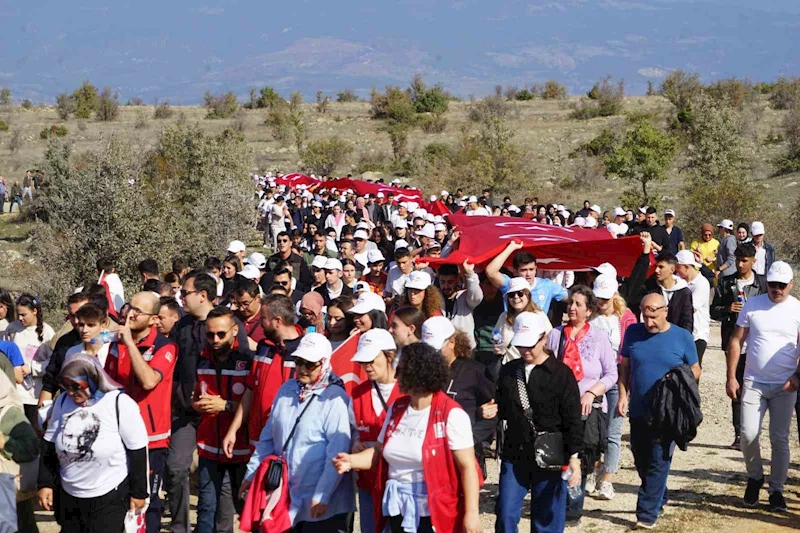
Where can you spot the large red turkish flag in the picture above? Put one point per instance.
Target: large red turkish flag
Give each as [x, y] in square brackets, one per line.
[351, 373]
[555, 248]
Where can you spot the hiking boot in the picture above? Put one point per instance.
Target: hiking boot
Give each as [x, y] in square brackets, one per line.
[751, 493]
[776, 502]
[737, 443]
[606, 491]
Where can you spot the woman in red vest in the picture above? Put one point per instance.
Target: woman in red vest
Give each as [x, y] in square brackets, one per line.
[427, 476]
[371, 401]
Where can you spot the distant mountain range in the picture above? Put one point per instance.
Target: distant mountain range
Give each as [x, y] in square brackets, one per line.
[180, 49]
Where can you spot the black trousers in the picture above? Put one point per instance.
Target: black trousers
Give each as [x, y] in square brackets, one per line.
[334, 524]
[395, 524]
[103, 514]
[158, 465]
[701, 346]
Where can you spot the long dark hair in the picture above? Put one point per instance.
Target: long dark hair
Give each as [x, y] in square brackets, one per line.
[32, 302]
[7, 301]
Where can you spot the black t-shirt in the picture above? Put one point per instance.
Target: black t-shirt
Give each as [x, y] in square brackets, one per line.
[471, 386]
[659, 235]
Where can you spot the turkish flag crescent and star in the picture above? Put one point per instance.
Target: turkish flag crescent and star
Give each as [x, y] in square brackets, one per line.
[554, 247]
[351, 373]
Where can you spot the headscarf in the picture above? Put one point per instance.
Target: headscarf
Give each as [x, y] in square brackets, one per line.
[361, 207]
[8, 393]
[314, 302]
[86, 371]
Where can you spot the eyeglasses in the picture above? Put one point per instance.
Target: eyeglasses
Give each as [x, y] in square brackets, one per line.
[653, 308]
[777, 285]
[138, 312]
[516, 294]
[308, 365]
[185, 293]
[217, 334]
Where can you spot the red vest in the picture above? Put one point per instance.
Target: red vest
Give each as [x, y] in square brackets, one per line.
[369, 424]
[445, 495]
[156, 404]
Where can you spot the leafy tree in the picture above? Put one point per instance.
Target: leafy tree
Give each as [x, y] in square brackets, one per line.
[220, 105]
[27, 104]
[732, 91]
[268, 98]
[323, 156]
[395, 105]
[524, 95]
[322, 103]
[347, 95]
[680, 88]
[107, 105]
[65, 106]
[602, 145]
[85, 98]
[642, 157]
[608, 100]
[553, 90]
[285, 119]
[5, 96]
[785, 93]
[651, 89]
[398, 136]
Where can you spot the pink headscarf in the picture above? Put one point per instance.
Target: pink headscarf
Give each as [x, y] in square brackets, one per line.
[313, 301]
[361, 204]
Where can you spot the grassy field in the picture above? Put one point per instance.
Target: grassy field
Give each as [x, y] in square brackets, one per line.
[542, 127]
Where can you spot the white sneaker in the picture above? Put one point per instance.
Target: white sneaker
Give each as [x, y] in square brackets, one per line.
[591, 483]
[606, 491]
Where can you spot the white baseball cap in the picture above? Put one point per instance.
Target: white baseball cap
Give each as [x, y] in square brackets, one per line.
[607, 269]
[368, 301]
[375, 256]
[434, 244]
[361, 234]
[316, 203]
[528, 330]
[727, 224]
[420, 213]
[439, 227]
[433, 198]
[332, 264]
[444, 193]
[518, 284]
[313, 347]
[403, 204]
[436, 330]
[361, 286]
[257, 260]
[401, 224]
[418, 279]
[757, 228]
[427, 231]
[379, 195]
[605, 286]
[371, 344]
[686, 257]
[579, 221]
[619, 212]
[362, 225]
[473, 199]
[596, 209]
[235, 247]
[643, 210]
[250, 272]
[400, 243]
[430, 218]
[779, 272]
[438, 219]
[669, 213]
[319, 261]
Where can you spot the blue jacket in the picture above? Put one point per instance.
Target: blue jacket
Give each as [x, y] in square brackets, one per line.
[323, 432]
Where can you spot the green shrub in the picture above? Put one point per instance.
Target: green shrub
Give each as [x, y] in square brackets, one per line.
[346, 96]
[435, 123]
[372, 162]
[286, 121]
[162, 110]
[85, 98]
[651, 89]
[323, 156]
[141, 121]
[553, 90]
[785, 94]
[437, 150]
[733, 91]
[65, 106]
[3, 125]
[5, 96]
[220, 105]
[395, 104]
[432, 101]
[27, 104]
[322, 103]
[763, 87]
[53, 131]
[269, 97]
[107, 105]
[602, 145]
[585, 112]
[524, 95]
[16, 141]
[789, 161]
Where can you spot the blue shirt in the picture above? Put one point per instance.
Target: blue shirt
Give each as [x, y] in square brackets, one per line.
[651, 356]
[675, 238]
[542, 293]
[11, 351]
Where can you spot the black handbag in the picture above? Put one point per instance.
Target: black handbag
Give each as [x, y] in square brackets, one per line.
[275, 469]
[548, 446]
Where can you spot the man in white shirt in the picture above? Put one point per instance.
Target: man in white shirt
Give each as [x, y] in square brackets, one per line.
[689, 269]
[476, 209]
[334, 286]
[770, 323]
[398, 274]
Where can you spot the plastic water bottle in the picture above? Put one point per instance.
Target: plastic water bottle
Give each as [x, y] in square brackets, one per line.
[574, 492]
[27, 382]
[106, 336]
[497, 338]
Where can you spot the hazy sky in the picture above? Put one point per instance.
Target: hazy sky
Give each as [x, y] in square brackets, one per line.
[179, 49]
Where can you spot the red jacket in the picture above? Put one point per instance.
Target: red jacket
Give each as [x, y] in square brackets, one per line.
[269, 371]
[445, 493]
[156, 404]
[226, 379]
[258, 499]
[369, 424]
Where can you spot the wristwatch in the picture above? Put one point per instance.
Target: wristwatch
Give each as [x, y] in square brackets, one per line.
[229, 406]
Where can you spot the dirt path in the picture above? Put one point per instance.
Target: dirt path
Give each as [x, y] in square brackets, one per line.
[706, 483]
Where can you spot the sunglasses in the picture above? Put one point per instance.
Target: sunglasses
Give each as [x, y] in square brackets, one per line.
[185, 293]
[308, 365]
[72, 387]
[777, 285]
[516, 294]
[217, 334]
[283, 240]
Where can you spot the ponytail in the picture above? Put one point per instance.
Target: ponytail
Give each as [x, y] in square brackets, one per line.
[32, 302]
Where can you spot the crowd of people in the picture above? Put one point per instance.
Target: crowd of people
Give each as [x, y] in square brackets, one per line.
[231, 360]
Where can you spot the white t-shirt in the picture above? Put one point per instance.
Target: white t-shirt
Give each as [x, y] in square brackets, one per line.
[760, 266]
[91, 444]
[277, 220]
[404, 450]
[771, 339]
[102, 354]
[702, 318]
[479, 212]
[395, 282]
[35, 352]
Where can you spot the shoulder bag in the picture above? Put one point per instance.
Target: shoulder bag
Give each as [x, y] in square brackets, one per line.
[274, 476]
[548, 446]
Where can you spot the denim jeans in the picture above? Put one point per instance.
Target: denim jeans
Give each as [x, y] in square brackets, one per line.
[574, 506]
[615, 422]
[653, 462]
[211, 475]
[366, 514]
[548, 498]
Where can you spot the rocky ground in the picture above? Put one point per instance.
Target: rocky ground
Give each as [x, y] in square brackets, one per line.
[706, 483]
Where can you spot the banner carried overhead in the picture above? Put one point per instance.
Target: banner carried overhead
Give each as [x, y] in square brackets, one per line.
[555, 247]
[359, 186]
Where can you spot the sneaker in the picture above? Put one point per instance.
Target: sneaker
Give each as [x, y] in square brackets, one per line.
[776, 502]
[737, 443]
[751, 493]
[591, 483]
[644, 525]
[606, 491]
